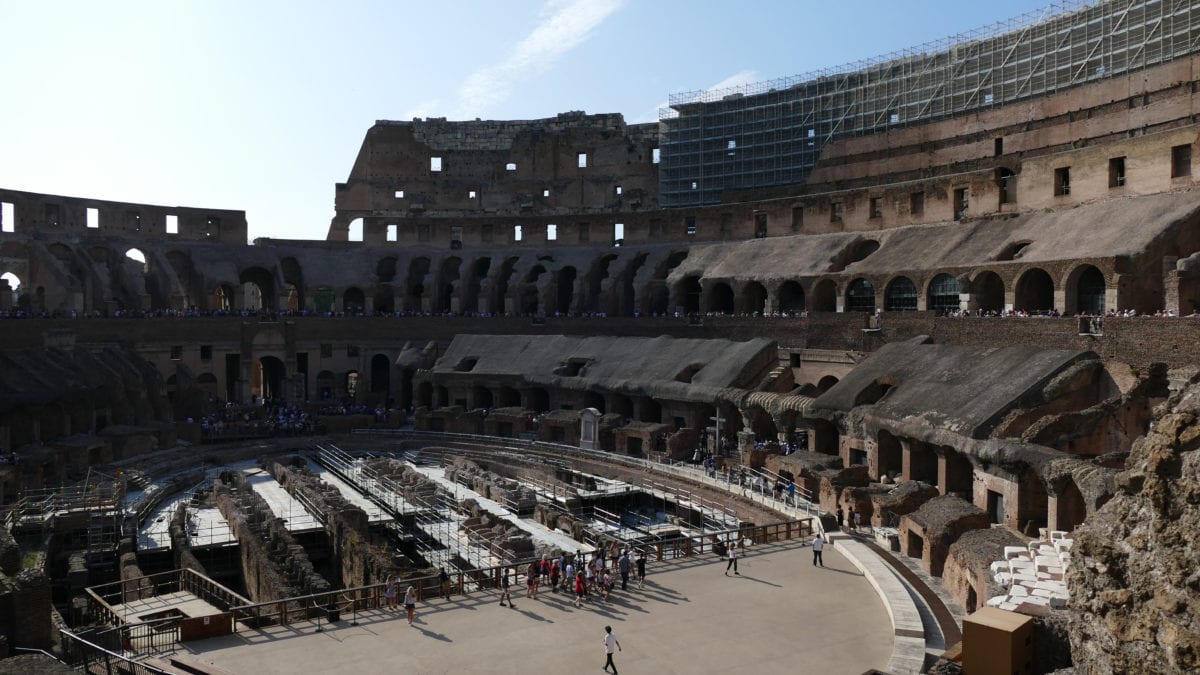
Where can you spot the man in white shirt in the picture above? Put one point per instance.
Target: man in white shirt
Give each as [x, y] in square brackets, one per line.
[818, 544]
[610, 641]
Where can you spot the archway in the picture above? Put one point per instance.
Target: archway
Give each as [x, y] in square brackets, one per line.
[720, 298]
[477, 273]
[1090, 289]
[381, 373]
[269, 379]
[530, 301]
[825, 383]
[825, 296]
[860, 296]
[537, 400]
[258, 289]
[791, 297]
[223, 298]
[1070, 507]
[353, 301]
[754, 298]
[988, 289]
[688, 292]
[900, 296]
[448, 278]
[14, 283]
[565, 283]
[414, 286]
[482, 397]
[325, 385]
[1035, 291]
[942, 296]
[507, 397]
[425, 394]
[960, 474]
[890, 457]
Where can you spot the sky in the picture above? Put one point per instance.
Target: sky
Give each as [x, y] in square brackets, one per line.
[262, 105]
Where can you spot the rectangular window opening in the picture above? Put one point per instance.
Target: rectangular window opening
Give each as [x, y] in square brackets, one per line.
[1181, 161]
[435, 164]
[916, 203]
[998, 147]
[962, 201]
[8, 217]
[731, 145]
[93, 218]
[392, 232]
[876, 207]
[797, 218]
[689, 225]
[511, 166]
[176, 352]
[1062, 181]
[399, 194]
[655, 156]
[835, 212]
[326, 350]
[172, 224]
[472, 194]
[551, 232]
[545, 193]
[618, 190]
[618, 234]
[517, 233]
[206, 352]
[583, 160]
[1116, 172]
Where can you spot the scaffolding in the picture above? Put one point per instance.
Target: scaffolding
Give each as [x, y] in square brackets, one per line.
[771, 133]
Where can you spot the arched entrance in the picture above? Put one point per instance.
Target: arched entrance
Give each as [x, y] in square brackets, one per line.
[988, 290]
[900, 296]
[1035, 291]
[688, 293]
[943, 295]
[720, 298]
[269, 377]
[791, 297]
[1089, 291]
[754, 298]
[860, 296]
[381, 374]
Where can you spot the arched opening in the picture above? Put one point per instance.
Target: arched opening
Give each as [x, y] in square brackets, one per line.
[258, 289]
[351, 384]
[860, 296]
[649, 410]
[354, 231]
[754, 298]
[762, 425]
[943, 295]
[874, 392]
[594, 399]
[1070, 507]
[537, 400]
[292, 298]
[856, 252]
[207, 382]
[825, 296]
[529, 299]
[414, 286]
[891, 456]
[720, 298]
[825, 437]
[447, 280]
[383, 303]
[900, 296]
[565, 284]
[507, 397]
[478, 272]
[137, 256]
[1089, 291]
[223, 298]
[354, 301]
[269, 378]
[14, 285]
[595, 283]
[622, 405]
[1035, 291]
[499, 299]
[959, 473]
[791, 297]
[688, 293]
[825, 383]
[658, 299]
[325, 385]
[626, 295]
[1032, 503]
[482, 397]
[988, 290]
[293, 278]
[381, 373]
[922, 463]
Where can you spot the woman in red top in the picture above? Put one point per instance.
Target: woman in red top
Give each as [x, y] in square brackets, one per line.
[531, 580]
[580, 588]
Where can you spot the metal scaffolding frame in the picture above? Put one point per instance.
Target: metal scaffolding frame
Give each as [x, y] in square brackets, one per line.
[771, 133]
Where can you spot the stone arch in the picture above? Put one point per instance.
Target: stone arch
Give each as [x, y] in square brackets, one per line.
[942, 296]
[889, 456]
[14, 284]
[719, 298]
[476, 274]
[1034, 291]
[688, 292]
[988, 290]
[595, 283]
[270, 375]
[1086, 289]
[481, 397]
[761, 424]
[499, 297]
[594, 399]
[381, 373]
[860, 296]
[414, 285]
[223, 298]
[1032, 502]
[1070, 508]
[790, 298]
[754, 298]
[824, 297]
[564, 283]
[530, 301]
[293, 283]
[354, 301]
[448, 279]
[625, 298]
[258, 286]
[900, 295]
[825, 383]
[507, 397]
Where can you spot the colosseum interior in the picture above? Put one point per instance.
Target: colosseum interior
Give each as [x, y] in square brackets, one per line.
[952, 297]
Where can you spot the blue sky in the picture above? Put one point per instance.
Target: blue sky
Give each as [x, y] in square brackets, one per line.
[262, 105]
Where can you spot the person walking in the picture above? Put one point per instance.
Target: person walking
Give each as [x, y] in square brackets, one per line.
[390, 590]
[857, 520]
[610, 641]
[410, 603]
[841, 516]
[580, 588]
[444, 582]
[504, 590]
[641, 569]
[733, 557]
[623, 568]
[818, 544]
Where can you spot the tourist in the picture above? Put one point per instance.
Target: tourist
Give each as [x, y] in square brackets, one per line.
[544, 567]
[580, 588]
[641, 569]
[841, 516]
[555, 572]
[531, 580]
[733, 556]
[610, 641]
[410, 603]
[389, 591]
[623, 568]
[444, 582]
[857, 520]
[818, 544]
[504, 589]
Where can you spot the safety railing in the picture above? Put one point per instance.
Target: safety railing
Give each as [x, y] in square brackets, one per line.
[92, 658]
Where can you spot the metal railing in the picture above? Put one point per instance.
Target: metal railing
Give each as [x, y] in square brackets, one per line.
[92, 658]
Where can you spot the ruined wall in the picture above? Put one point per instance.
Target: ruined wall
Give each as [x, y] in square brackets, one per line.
[274, 566]
[1134, 600]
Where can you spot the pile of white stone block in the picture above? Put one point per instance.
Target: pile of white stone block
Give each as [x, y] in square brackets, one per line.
[1035, 576]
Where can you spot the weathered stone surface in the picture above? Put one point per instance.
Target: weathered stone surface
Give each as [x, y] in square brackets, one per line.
[1135, 586]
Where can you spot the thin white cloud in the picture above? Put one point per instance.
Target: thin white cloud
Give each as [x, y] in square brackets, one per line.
[736, 80]
[564, 25]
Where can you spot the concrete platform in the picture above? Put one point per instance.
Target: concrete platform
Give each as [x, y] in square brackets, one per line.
[781, 615]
